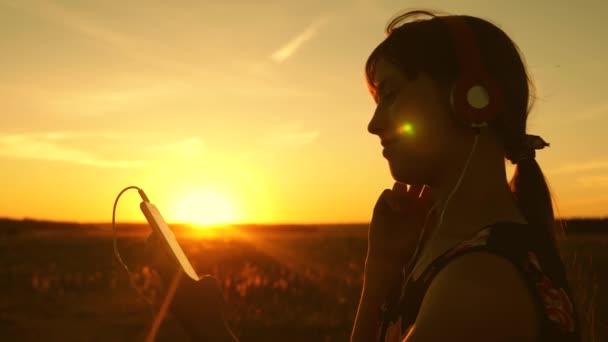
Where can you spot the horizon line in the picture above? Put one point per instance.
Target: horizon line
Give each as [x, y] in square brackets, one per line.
[43, 220]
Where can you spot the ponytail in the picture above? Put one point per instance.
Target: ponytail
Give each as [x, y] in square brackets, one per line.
[533, 197]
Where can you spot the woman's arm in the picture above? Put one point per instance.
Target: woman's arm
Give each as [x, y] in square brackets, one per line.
[396, 227]
[378, 278]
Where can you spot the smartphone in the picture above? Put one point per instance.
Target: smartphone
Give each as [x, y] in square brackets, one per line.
[160, 227]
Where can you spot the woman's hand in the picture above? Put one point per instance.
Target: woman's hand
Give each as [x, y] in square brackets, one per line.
[393, 234]
[396, 225]
[197, 305]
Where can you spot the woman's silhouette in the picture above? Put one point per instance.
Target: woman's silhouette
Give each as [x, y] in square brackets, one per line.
[462, 254]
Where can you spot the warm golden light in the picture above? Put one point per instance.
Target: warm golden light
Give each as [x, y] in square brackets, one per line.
[205, 208]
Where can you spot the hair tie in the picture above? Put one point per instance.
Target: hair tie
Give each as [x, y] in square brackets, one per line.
[527, 152]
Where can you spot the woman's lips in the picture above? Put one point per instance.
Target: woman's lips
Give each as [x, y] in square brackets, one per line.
[388, 148]
[389, 141]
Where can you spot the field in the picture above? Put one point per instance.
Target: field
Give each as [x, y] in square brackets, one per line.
[61, 282]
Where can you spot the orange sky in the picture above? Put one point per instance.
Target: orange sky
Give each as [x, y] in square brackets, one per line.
[254, 112]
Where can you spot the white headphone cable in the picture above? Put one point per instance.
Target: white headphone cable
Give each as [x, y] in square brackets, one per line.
[415, 255]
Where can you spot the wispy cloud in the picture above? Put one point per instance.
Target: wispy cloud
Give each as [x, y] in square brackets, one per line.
[264, 81]
[279, 139]
[296, 42]
[591, 165]
[121, 98]
[48, 147]
[188, 147]
[71, 19]
[290, 135]
[256, 90]
[68, 135]
[88, 26]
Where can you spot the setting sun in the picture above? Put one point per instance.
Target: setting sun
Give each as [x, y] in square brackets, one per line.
[204, 208]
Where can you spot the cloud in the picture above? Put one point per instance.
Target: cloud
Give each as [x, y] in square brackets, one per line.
[61, 135]
[280, 138]
[257, 90]
[121, 98]
[188, 147]
[290, 136]
[264, 80]
[296, 42]
[72, 20]
[79, 22]
[263, 70]
[48, 147]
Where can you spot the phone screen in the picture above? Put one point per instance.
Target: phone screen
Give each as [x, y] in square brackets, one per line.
[155, 219]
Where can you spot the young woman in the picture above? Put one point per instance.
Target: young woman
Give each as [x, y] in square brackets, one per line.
[488, 267]
[460, 255]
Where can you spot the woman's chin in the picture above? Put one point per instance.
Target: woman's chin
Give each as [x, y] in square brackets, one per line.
[403, 174]
[399, 175]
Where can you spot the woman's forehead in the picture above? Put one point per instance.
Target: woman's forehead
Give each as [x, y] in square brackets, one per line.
[388, 75]
[387, 71]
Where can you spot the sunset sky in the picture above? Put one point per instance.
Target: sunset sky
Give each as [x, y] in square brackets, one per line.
[255, 111]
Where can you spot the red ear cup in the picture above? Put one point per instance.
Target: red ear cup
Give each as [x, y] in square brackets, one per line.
[476, 98]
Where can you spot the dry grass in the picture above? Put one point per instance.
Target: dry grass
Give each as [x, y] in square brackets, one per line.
[68, 286]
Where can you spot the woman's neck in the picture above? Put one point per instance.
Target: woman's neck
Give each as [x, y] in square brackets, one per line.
[480, 201]
[482, 198]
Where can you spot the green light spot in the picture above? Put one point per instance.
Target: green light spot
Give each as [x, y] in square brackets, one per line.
[408, 129]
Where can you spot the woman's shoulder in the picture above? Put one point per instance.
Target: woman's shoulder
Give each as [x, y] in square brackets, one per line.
[514, 256]
[505, 239]
[479, 291]
[516, 242]
[500, 275]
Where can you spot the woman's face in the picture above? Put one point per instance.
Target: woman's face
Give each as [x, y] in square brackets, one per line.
[413, 122]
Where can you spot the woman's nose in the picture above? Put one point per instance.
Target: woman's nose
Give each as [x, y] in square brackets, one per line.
[377, 124]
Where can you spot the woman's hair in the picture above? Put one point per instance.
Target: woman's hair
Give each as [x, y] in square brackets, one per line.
[425, 45]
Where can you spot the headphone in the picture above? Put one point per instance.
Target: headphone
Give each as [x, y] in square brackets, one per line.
[475, 97]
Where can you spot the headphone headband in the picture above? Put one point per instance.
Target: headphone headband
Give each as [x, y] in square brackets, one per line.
[475, 97]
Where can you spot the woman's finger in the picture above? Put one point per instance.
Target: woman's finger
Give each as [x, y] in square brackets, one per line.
[416, 190]
[400, 188]
[388, 199]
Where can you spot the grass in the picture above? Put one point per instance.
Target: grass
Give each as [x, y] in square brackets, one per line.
[62, 283]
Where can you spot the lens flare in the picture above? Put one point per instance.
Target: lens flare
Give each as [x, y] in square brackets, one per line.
[407, 129]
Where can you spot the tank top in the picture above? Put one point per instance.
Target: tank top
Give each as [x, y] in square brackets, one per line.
[525, 247]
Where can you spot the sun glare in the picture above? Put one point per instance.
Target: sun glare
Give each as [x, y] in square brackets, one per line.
[205, 208]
